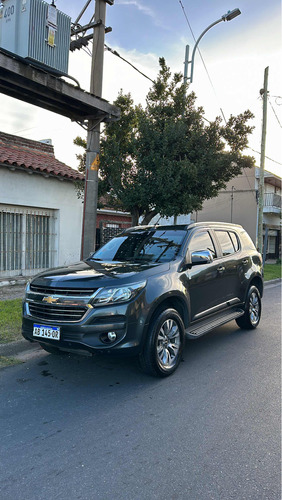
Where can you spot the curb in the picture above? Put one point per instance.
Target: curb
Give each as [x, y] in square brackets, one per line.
[272, 282]
[13, 282]
[14, 348]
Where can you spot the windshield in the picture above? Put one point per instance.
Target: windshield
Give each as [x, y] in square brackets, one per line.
[153, 245]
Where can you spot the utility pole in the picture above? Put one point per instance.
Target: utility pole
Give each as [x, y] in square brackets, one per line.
[263, 92]
[93, 135]
[232, 201]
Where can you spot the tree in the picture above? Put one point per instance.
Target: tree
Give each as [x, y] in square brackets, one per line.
[165, 158]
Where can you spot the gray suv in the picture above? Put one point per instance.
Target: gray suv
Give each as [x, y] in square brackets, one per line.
[147, 290]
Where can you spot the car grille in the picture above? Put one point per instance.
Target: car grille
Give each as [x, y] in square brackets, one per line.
[66, 292]
[57, 312]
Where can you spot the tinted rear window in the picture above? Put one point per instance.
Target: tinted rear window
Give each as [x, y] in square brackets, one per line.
[225, 242]
[247, 241]
[235, 241]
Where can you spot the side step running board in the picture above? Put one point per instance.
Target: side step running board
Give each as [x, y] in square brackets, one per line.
[196, 331]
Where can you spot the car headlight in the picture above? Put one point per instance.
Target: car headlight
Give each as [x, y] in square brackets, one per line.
[116, 295]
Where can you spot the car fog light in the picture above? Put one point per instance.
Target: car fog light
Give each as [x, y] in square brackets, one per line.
[112, 336]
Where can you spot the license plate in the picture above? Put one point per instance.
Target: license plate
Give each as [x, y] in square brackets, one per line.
[46, 332]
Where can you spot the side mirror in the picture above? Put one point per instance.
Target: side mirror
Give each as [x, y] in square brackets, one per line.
[201, 257]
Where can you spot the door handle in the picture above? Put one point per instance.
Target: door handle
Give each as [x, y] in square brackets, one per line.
[220, 269]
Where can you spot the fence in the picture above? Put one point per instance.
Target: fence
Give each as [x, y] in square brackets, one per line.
[272, 200]
[27, 240]
[108, 230]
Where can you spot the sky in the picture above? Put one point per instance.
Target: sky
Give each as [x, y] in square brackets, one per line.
[235, 54]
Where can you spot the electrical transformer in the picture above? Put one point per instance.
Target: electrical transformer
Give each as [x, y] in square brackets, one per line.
[36, 31]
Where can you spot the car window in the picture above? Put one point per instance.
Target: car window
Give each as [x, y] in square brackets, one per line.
[154, 245]
[202, 241]
[235, 241]
[246, 240]
[225, 242]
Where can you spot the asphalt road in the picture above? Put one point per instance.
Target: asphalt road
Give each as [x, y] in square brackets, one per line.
[81, 428]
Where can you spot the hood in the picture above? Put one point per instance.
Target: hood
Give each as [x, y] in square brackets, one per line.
[96, 274]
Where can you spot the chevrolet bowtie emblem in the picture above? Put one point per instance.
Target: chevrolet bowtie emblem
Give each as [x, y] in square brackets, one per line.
[50, 300]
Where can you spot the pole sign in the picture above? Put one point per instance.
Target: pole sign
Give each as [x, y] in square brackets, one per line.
[52, 24]
[96, 163]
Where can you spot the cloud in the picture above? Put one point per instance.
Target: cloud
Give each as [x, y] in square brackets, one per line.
[144, 9]
[15, 115]
[237, 76]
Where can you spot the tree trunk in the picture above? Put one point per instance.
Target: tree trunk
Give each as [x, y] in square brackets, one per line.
[135, 217]
[148, 216]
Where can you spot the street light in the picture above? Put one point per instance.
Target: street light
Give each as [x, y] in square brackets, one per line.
[226, 17]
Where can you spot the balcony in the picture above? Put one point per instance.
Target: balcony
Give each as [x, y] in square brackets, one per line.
[272, 203]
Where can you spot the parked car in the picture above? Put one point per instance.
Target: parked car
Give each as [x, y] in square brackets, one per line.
[147, 290]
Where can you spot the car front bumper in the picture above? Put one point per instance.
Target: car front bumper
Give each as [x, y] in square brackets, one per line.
[127, 321]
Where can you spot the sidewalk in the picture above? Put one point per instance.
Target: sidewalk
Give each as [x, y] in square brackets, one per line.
[18, 347]
[12, 292]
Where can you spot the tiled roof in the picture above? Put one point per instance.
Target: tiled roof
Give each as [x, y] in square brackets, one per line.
[33, 156]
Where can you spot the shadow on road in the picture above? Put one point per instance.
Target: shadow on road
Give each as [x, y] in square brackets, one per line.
[81, 372]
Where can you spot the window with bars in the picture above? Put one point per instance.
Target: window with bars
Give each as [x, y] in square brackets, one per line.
[10, 241]
[27, 241]
[37, 255]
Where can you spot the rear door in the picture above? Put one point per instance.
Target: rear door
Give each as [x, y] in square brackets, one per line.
[229, 247]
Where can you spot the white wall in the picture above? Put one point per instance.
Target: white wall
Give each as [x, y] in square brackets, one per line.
[36, 191]
[181, 219]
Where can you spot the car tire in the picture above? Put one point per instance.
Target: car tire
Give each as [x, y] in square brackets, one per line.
[51, 349]
[164, 345]
[251, 317]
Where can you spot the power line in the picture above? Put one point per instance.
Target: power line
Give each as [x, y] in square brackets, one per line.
[270, 159]
[204, 64]
[248, 181]
[221, 110]
[122, 58]
[185, 15]
[24, 130]
[130, 64]
[274, 112]
[277, 97]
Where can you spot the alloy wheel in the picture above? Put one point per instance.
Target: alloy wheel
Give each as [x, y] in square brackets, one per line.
[254, 308]
[168, 343]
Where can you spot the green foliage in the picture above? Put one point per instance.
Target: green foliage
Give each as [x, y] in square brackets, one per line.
[79, 185]
[165, 158]
[6, 361]
[10, 320]
[272, 271]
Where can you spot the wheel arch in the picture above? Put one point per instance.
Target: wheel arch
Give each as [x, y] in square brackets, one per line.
[169, 302]
[258, 282]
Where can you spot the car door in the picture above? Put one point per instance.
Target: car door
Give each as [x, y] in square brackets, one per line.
[229, 264]
[202, 281]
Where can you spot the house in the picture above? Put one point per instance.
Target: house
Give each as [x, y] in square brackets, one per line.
[238, 203]
[110, 222]
[40, 214]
